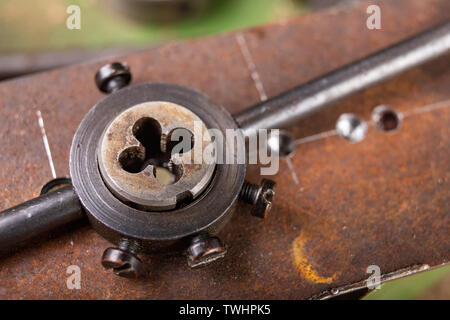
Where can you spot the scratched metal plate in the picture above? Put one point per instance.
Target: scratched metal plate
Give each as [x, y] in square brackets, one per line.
[340, 207]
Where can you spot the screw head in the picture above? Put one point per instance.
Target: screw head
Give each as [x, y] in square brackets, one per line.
[264, 199]
[351, 127]
[123, 263]
[112, 77]
[205, 249]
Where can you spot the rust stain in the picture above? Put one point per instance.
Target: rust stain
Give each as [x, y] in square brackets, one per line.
[304, 266]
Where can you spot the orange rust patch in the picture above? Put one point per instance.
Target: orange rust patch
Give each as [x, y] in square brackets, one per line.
[304, 266]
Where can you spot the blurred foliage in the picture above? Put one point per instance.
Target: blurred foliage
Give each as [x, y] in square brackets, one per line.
[41, 25]
[411, 287]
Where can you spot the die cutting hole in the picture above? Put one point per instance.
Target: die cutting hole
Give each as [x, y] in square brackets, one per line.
[168, 175]
[148, 132]
[156, 150]
[131, 159]
[164, 176]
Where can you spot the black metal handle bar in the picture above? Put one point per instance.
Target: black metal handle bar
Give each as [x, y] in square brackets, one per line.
[35, 217]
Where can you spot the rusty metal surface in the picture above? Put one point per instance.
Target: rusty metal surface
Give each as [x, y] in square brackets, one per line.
[340, 207]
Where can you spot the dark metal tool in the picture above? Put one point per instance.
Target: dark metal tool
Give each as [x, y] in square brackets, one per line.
[196, 221]
[114, 171]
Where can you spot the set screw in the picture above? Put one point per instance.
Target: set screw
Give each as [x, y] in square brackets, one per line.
[112, 77]
[123, 260]
[260, 196]
[204, 249]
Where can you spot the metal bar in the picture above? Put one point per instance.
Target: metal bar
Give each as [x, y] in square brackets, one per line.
[289, 107]
[38, 216]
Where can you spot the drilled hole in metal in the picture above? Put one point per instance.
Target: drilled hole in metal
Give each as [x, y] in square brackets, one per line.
[385, 118]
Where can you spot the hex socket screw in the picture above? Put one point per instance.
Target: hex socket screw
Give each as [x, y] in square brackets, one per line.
[260, 196]
[123, 260]
[112, 77]
[204, 249]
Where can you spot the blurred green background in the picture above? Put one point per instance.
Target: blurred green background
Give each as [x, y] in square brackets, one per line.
[40, 26]
[430, 285]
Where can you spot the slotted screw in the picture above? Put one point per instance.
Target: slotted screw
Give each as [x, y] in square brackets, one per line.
[204, 249]
[260, 196]
[123, 260]
[112, 77]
